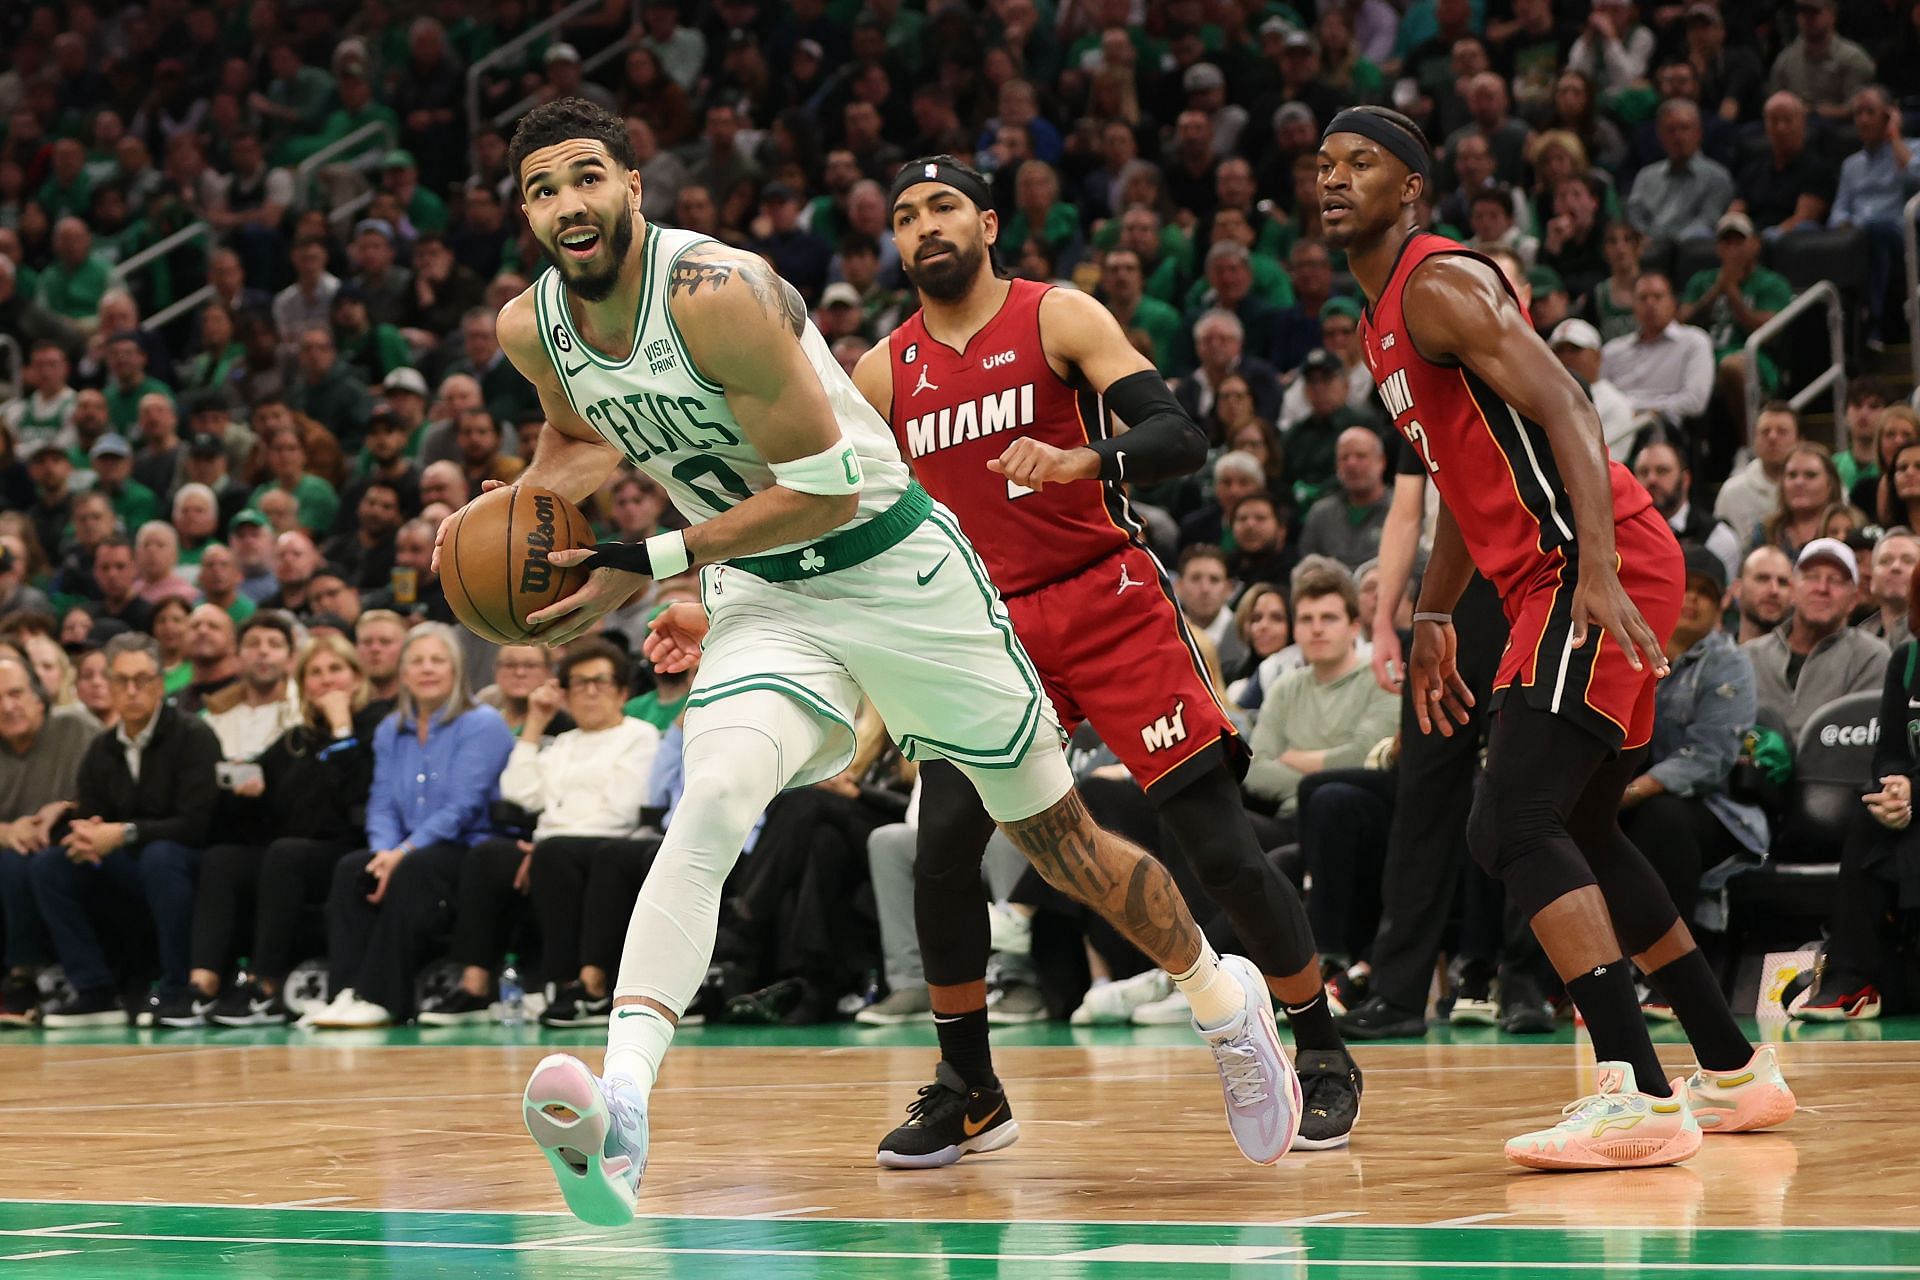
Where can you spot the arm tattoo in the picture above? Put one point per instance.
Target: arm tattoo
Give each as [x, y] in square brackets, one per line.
[780, 300]
[1118, 879]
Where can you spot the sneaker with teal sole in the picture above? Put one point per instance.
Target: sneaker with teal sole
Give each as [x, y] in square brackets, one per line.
[593, 1133]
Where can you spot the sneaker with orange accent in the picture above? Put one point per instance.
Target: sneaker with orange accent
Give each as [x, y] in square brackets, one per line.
[1616, 1128]
[1753, 1097]
[1840, 1006]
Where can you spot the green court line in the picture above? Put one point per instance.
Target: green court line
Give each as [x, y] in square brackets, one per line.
[91, 1241]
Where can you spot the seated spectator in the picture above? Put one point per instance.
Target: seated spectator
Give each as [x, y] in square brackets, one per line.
[1347, 524]
[377, 637]
[1260, 550]
[1731, 303]
[519, 672]
[1894, 559]
[384, 461]
[368, 350]
[212, 653]
[1879, 864]
[1203, 586]
[117, 578]
[584, 865]
[1490, 219]
[1615, 49]
[1763, 595]
[1664, 474]
[251, 714]
[1339, 330]
[365, 552]
[196, 517]
[1578, 345]
[1809, 486]
[1685, 194]
[143, 802]
[329, 390]
[503, 391]
[158, 463]
[478, 438]
[1664, 368]
[313, 786]
[16, 594]
[72, 284]
[1235, 475]
[1679, 810]
[250, 538]
[1816, 657]
[1822, 68]
[295, 561]
[1752, 494]
[1866, 403]
[1573, 240]
[1264, 624]
[287, 467]
[382, 287]
[40, 754]
[436, 773]
[800, 256]
[133, 503]
[1875, 184]
[170, 633]
[1219, 343]
[220, 582]
[1312, 443]
[156, 561]
[306, 304]
[1788, 187]
[415, 591]
[1330, 713]
[1254, 436]
[1122, 285]
[1899, 429]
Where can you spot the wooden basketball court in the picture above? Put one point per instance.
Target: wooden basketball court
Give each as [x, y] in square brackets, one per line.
[288, 1154]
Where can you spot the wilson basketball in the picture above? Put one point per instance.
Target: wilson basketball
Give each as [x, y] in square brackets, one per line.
[493, 561]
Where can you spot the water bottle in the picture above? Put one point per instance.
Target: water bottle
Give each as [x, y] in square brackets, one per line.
[513, 997]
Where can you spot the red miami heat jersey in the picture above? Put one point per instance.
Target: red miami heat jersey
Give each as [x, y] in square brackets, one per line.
[956, 411]
[1493, 467]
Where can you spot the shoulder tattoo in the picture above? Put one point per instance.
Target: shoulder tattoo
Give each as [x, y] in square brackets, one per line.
[780, 300]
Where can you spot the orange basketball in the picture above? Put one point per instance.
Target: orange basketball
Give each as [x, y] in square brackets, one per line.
[493, 561]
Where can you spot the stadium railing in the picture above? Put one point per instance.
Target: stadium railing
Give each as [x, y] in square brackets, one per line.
[1832, 379]
[352, 144]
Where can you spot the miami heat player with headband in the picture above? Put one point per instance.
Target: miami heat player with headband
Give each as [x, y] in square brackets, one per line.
[1591, 580]
[998, 392]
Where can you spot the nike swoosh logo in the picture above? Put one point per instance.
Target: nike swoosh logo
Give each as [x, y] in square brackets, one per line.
[924, 578]
[575, 372]
[967, 1122]
[629, 1011]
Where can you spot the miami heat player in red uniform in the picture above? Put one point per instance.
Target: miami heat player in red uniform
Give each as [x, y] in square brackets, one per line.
[1591, 580]
[999, 392]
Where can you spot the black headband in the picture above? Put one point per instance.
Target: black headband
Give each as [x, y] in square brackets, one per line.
[1404, 146]
[939, 171]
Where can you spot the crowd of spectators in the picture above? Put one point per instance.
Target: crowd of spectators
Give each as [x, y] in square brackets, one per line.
[226, 678]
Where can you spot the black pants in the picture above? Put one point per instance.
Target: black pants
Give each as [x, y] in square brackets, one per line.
[1345, 816]
[1682, 838]
[283, 880]
[1427, 843]
[796, 912]
[1866, 914]
[487, 906]
[377, 948]
[583, 893]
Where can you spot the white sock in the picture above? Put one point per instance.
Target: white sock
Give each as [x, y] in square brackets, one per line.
[637, 1040]
[1216, 998]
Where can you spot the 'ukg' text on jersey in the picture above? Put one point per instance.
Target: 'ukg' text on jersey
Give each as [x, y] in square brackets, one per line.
[648, 425]
[1007, 410]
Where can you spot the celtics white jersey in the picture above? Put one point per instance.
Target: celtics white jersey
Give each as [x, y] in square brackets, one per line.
[672, 421]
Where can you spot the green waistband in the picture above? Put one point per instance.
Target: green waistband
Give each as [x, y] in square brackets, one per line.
[844, 550]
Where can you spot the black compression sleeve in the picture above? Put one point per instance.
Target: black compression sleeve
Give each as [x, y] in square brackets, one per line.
[1161, 440]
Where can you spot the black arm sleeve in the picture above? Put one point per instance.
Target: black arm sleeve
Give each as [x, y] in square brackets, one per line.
[1161, 440]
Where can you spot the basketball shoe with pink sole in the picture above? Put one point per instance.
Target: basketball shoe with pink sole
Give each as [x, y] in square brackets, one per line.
[593, 1133]
[1616, 1128]
[1752, 1097]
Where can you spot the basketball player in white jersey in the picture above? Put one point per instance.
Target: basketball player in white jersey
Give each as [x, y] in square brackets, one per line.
[826, 573]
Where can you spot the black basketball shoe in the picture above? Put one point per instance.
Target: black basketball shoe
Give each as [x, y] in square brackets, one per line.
[948, 1121]
[1330, 1087]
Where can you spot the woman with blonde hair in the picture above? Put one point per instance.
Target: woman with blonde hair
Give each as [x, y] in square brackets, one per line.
[302, 811]
[1809, 485]
[436, 773]
[1899, 427]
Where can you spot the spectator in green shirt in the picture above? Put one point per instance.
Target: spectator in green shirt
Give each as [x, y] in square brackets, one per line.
[128, 381]
[1040, 213]
[74, 282]
[68, 191]
[1731, 303]
[401, 177]
[287, 465]
[297, 98]
[329, 391]
[371, 351]
[1122, 289]
[356, 111]
[133, 503]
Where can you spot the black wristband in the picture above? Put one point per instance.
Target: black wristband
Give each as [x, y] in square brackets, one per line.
[628, 557]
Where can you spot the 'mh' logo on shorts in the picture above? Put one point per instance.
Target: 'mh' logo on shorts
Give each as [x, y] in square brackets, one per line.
[1167, 730]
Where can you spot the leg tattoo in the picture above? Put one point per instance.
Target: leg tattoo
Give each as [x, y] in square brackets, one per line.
[1117, 879]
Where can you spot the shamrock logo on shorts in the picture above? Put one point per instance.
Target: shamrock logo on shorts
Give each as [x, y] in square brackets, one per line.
[812, 561]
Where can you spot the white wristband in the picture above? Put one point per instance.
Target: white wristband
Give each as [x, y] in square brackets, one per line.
[667, 553]
[1442, 618]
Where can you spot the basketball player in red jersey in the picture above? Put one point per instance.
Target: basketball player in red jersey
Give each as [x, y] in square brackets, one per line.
[1591, 579]
[999, 393]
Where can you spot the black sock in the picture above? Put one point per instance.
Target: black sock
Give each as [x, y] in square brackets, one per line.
[1312, 1024]
[1606, 1000]
[1688, 985]
[963, 1043]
